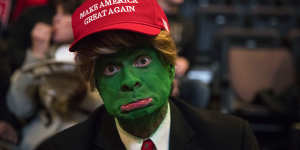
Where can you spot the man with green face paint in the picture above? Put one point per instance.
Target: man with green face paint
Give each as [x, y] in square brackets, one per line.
[125, 50]
[135, 86]
[127, 77]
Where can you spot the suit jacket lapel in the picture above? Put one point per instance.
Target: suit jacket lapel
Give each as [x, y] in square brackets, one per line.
[181, 133]
[108, 137]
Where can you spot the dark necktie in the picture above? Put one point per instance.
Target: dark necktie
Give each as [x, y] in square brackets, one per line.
[148, 145]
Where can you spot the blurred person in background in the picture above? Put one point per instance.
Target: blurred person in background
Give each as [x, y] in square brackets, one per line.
[19, 31]
[181, 67]
[29, 109]
[62, 29]
[8, 123]
[14, 42]
[177, 26]
[51, 102]
[42, 49]
[182, 31]
[51, 41]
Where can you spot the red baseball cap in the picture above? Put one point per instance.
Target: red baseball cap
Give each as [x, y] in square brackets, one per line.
[143, 16]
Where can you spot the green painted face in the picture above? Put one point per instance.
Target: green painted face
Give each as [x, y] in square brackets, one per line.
[133, 83]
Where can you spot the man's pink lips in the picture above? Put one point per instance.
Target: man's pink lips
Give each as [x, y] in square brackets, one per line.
[136, 105]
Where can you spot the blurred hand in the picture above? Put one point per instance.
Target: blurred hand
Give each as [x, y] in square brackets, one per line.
[41, 36]
[7, 132]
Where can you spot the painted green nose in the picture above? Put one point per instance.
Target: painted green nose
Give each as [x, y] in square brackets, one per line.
[130, 86]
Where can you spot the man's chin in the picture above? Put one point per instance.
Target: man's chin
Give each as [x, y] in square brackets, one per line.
[135, 114]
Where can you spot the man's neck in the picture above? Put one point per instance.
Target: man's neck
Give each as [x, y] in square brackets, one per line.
[145, 126]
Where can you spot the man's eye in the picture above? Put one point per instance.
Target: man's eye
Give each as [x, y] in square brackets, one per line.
[142, 61]
[110, 70]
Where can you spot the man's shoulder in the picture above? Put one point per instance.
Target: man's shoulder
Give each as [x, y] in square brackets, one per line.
[77, 137]
[216, 127]
[203, 116]
[216, 123]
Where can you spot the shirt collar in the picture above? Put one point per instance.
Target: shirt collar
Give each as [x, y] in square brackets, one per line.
[160, 137]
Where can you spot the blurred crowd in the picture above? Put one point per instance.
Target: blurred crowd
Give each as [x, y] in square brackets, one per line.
[42, 91]
[235, 56]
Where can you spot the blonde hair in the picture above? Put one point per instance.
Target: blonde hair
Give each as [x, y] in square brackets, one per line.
[96, 45]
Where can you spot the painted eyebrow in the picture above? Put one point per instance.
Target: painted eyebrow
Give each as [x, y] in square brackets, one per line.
[138, 52]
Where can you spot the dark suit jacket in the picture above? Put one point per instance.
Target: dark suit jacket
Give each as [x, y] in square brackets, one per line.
[191, 129]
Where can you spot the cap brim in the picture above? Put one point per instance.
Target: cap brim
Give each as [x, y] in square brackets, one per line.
[134, 27]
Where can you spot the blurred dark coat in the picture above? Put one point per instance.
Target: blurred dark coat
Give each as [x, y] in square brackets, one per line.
[191, 129]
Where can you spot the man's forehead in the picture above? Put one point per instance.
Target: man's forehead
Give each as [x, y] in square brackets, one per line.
[116, 49]
[127, 52]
